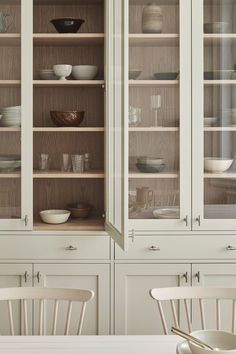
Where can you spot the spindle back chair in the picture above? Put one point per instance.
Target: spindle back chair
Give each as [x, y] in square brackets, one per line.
[42, 294]
[186, 294]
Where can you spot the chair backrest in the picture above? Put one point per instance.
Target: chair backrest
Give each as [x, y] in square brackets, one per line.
[42, 294]
[186, 294]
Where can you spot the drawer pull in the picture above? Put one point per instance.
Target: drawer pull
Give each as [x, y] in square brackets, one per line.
[230, 248]
[154, 248]
[71, 248]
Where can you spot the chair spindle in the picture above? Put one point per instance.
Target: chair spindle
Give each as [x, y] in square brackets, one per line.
[68, 317]
[174, 313]
[163, 320]
[218, 314]
[202, 313]
[11, 317]
[41, 303]
[81, 318]
[188, 315]
[25, 317]
[233, 316]
[54, 326]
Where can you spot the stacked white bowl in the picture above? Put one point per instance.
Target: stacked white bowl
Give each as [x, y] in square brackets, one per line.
[11, 116]
[47, 74]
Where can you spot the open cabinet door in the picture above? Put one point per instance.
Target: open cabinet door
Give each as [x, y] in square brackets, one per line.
[116, 95]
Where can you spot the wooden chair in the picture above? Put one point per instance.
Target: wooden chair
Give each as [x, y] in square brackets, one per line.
[185, 295]
[41, 294]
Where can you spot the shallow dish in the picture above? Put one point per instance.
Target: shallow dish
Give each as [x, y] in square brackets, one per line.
[84, 72]
[67, 25]
[217, 164]
[224, 341]
[67, 119]
[134, 74]
[166, 76]
[166, 213]
[9, 162]
[47, 75]
[150, 168]
[54, 216]
[80, 210]
[150, 160]
[216, 27]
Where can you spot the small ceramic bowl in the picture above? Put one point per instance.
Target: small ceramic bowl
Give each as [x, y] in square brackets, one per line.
[67, 25]
[134, 74]
[166, 213]
[217, 164]
[84, 72]
[218, 75]
[62, 70]
[166, 76]
[150, 160]
[80, 210]
[55, 216]
[150, 168]
[47, 74]
[225, 342]
[67, 118]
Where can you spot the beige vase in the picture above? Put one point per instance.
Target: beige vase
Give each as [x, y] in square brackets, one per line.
[152, 19]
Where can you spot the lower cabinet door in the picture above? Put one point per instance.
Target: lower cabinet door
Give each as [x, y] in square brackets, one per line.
[214, 275]
[135, 311]
[94, 277]
[15, 275]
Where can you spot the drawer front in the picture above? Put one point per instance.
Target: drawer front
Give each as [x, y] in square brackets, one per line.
[55, 247]
[180, 247]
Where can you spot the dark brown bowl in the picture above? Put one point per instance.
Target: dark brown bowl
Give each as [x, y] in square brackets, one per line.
[67, 25]
[80, 210]
[67, 119]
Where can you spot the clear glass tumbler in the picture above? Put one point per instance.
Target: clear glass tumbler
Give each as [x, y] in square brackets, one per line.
[77, 163]
[65, 163]
[44, 162]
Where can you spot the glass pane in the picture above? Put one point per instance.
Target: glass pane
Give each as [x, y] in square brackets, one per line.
[10, 109]
[219, 109]
[154, 109]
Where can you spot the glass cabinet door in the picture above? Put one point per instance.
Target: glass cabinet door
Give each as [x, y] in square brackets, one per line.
[214, 114]
[159, 114]
[15, 115]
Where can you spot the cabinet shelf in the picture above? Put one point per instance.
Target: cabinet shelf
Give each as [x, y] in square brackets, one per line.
[10, 39]
[152, 40]
[219, 82]
[220, 175]
[153, 175]
[59, 174]
[154, 129]
[68, 129]
[13, 174]
[153, 83]
[64, 39]
[9, 129]
[68, 83]
[220, 129]
[90, 224]
[10, 83]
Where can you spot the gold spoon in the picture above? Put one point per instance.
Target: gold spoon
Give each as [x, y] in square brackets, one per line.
[190, 338]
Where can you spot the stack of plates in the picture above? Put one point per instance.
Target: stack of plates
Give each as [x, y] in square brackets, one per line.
[150, 164]
[11, 116]
[9, 162]
[47, 74]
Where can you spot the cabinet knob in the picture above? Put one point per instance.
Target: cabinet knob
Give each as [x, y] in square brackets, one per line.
[154, 248]
[71, 248]
[230, 248]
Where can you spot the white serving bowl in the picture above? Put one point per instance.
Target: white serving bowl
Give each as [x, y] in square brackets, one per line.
[84, 72]
[217, 164]
[225, 342]
[62, 71]
[209, 121]
[54, 216]
[166, 213]
[150, 160]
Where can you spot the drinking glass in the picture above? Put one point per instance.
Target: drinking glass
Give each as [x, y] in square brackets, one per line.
[65, 163]
[44, 162]
[77, 163]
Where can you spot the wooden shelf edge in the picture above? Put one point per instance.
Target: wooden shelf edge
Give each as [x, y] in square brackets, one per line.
[67, 83]
[90, 224]
[59, 174]
[220, 175]
[153, 175]
[153, 83]
[153, 129]
[68, 129]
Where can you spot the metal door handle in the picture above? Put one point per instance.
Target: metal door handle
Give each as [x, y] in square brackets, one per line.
[154, 248]
[230, 248]
[38, 276]
[71, 248]
[186, 220]
[185, 275]
[198, 220]
[197, 275]
[26, 276]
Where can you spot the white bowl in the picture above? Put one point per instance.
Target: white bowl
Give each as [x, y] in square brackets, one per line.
[217, 164]
[54, 216]
[224, 341]
[209, 121]
[62, 71]
[84, 72]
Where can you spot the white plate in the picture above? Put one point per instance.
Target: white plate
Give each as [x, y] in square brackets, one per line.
[183, 348]
[166, 213]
